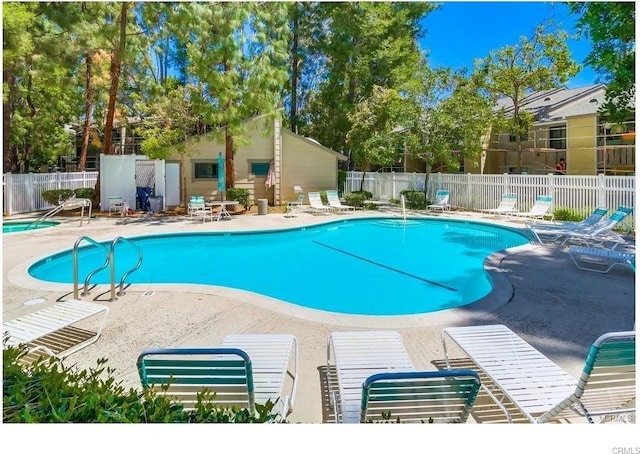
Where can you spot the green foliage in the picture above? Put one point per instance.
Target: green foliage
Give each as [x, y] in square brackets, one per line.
[362, 45]
[355, 199]
[367, 195]
[49, 391]
[55, 196]
[85, 193]
[611, 27]
[414, 200]
[538, 62]
[241, 196]
[373, 137]
[567, 214]
[342, 179]
[323, 197]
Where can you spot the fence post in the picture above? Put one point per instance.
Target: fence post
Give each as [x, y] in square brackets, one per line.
[393, 185]
[469, 193]
[602, 195]
[8, 194]
[552, 191]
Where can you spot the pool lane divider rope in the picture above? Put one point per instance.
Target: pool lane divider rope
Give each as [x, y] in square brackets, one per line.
[382, 265]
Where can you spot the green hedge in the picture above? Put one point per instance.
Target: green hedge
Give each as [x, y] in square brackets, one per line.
[55, 196]
[49, 391]
[414, 200]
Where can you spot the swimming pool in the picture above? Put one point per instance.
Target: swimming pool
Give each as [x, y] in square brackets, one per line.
[22, 226]
[359, 266]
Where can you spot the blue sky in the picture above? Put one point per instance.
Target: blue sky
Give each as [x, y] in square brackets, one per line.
[459, 32]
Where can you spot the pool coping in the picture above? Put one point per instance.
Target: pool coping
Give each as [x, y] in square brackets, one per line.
[502, 290]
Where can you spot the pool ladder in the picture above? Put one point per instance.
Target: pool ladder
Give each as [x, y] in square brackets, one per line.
[110, 262]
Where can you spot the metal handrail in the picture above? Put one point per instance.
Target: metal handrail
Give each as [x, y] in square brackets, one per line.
[108, 262]
[127, 273]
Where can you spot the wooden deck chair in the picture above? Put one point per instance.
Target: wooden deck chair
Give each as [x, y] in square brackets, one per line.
[336, 205]
[441, 202]
[239, 377]
[422, 397]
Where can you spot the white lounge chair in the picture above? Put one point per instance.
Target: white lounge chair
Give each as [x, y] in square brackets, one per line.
[539, 210]
[539, 388]
[600, 260]
[595, 217]
[596, 235]
[54, 330]
[441, 202]
[377, 382]
[506, 207]
[334, 202]
[356, 356]
[247, 369]
[316, 205]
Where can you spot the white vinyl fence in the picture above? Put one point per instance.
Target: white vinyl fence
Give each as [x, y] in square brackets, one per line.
[22, 193]
[581, 193]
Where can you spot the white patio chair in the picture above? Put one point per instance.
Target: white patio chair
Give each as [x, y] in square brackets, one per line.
[334, 202]
[441, 202]
[247, 369]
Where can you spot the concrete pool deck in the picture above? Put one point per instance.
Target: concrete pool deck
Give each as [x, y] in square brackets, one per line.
[540, 295]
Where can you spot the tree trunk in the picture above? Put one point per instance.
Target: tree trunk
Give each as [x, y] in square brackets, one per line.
[295, 62]
[7, 111]
[88, 111]
[116, 66]
[228, 160]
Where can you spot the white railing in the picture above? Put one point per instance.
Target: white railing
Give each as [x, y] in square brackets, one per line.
[579, 193]
[22, 193]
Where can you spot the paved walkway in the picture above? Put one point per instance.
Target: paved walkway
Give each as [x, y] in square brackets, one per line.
[539, 294]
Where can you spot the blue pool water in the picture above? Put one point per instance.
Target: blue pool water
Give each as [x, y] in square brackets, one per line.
[21, 226]
[366, 267]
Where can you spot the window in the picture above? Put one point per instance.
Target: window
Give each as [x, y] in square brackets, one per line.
[558, 137]
[205, 170]
[523, 138]
[259, 169]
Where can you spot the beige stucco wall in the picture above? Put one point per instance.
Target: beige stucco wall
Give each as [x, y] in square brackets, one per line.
[581, 142]
[260, 149]
[306, 164]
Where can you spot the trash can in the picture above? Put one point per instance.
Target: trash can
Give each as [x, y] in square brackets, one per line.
[155, 203]
[262, 206]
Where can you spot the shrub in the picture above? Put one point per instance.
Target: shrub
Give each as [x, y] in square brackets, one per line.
[85, 193]
[48, 391]
[567, 214]
[241, 196]
[414, 200]
[367, 194]
[323, 197]
[355, 199]
[55, 196]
